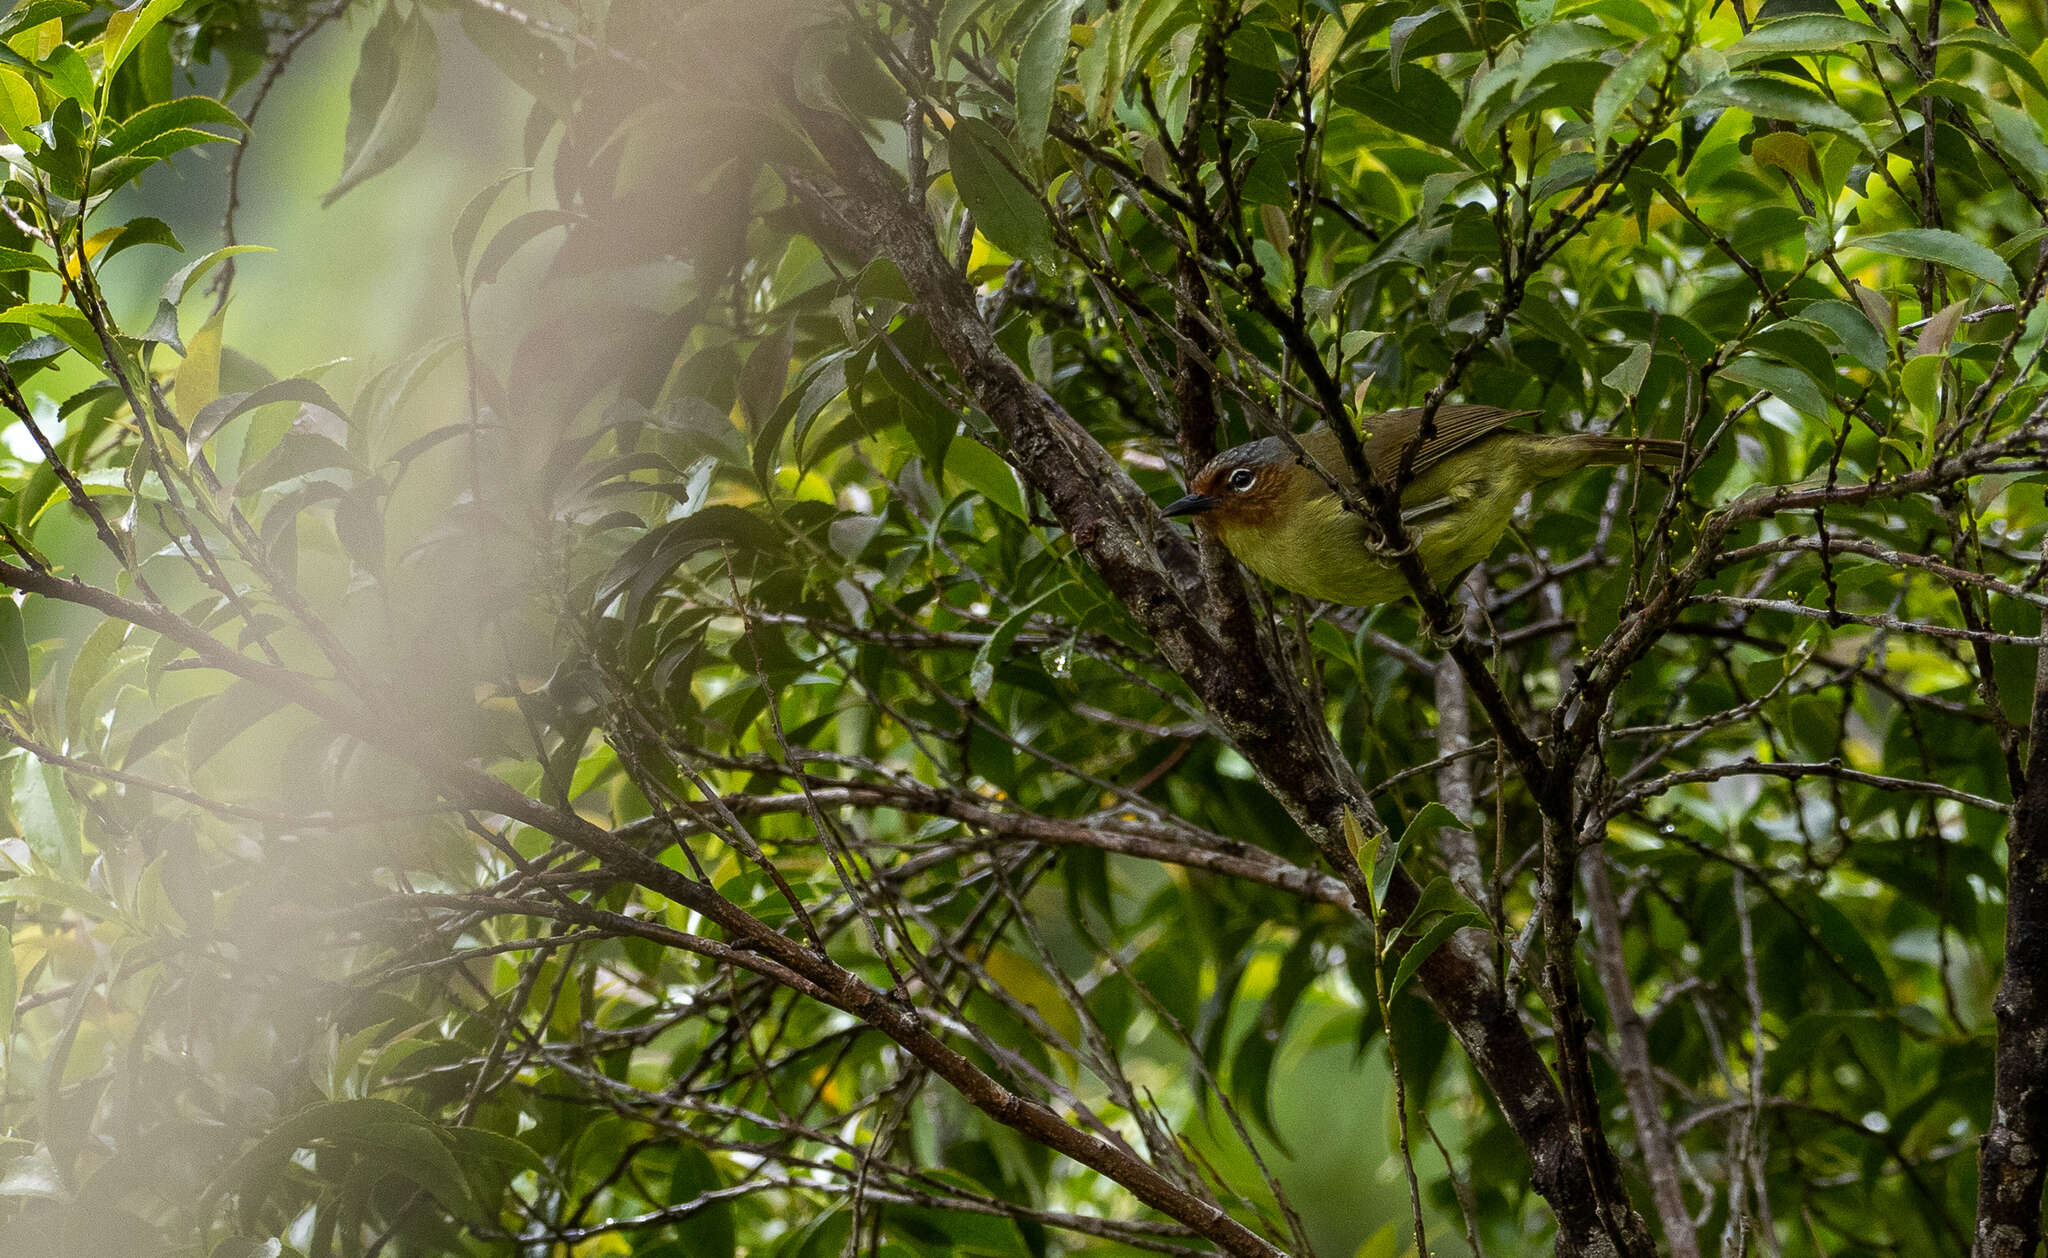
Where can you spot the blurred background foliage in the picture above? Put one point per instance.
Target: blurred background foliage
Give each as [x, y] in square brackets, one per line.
[575, 435]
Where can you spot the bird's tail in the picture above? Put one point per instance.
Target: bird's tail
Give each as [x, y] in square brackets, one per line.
[1593, 449]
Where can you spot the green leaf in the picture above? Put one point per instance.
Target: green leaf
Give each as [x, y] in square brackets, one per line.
[1920, 382]
[1429, 819]
[36, 889]
[710, 1230]
[22, 260]
[414, 1150]
[1038, 70]
[820, 382]
[198, 382]
[257, 1171]
[984, 471]
[37, 12]
[1864, 341]
[2021, 137]
[1423, 106]
[147, 126]
[510, 238]
[1624, 84]
[49, 819]
[73, 328]
[10, 991]
[1805, 33]
[1005, 210]
[126, 28]
[137, 232]
[1999, 48]
[1364, 850]
[996, 647]
[216, 414]
[954, 15]
[396, 83]
[476, 1142]
[65, 71]
[1943, 248]
[1627, 376]
[1768, 97]
[1789, 385]
[15, 681]
[471, 220]
[1421, 950]
[87, 670]
[191, 273]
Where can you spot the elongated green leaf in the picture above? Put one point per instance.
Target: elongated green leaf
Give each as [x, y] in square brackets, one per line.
[471, 220]
[126, 28]
[37, 12]
[1428, 819]
[511, 237]
[191, 273]
[137, 232]
[1999, 48]
[1768, 97]
[475, 1142]
[2020, 136]
[415, 1150]
[1804, 34]
[36, 889]
[87, 670]
[1865, 343]
[1364, 849]
[1789, 385]
[996, 647]
[1038, 70]
[14, 675]
[49, 819]
[216, 414]
[22, 260]
[227, 717]
[1944, 248]
[68, 324]
[394, 90]
[710, 1231]
[149, 126]
[198, 382]
[10, 991]
[1423, 105]
[983, 470]
[1627, 376]
[1433, 938]
[1005, 210]
[1624, 84]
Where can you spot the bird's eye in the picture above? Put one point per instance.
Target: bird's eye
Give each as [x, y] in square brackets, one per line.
[1242, 479]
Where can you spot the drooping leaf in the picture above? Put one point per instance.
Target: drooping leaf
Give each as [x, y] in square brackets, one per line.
[15, 679]
[126, 29]
[1038, 67]
[396, 84]
[1944, 248]
[1006, 209]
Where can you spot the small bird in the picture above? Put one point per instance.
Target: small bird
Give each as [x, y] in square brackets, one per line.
[1281, 520]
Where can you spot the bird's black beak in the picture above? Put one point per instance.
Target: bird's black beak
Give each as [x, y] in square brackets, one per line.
[1193, 504]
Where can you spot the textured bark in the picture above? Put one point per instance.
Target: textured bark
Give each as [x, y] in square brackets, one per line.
[1230, 661]
[2014, 1157]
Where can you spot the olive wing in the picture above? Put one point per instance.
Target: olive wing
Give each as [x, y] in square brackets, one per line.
[1387, 434]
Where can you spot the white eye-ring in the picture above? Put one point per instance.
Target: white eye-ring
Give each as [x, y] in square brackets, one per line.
[1242, 479]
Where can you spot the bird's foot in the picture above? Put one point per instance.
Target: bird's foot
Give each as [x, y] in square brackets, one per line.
[1443, 633]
